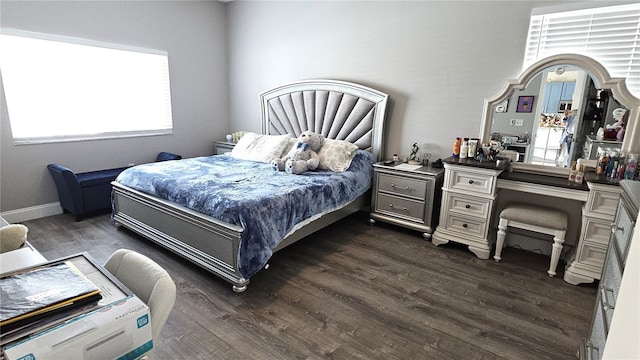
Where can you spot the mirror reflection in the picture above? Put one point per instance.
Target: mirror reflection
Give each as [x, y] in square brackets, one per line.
[559, 117]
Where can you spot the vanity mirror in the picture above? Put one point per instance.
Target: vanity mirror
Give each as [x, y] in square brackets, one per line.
[574, 83]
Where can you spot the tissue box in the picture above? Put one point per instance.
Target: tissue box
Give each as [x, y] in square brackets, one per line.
[120, 330]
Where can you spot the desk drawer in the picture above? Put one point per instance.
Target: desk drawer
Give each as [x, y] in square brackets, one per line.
[471, 181]
[592, 254]
[466, 225]
[402, 185]
[596, 230]
[407, 208]
[603, 201]
[468, 205]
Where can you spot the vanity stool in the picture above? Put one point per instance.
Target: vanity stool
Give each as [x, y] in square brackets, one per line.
[534, 218]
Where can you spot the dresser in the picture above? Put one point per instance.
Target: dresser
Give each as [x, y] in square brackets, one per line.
[586, 259]
[614, 307]
[407, 196]
[468, 195]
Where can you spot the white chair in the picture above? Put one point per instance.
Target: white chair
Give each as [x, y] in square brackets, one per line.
[534, 218]
[148, 281]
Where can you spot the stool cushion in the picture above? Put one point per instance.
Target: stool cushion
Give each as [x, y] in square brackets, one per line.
[534, 215]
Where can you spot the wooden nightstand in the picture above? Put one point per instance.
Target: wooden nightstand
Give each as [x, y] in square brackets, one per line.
[221, 147]
[406, 196]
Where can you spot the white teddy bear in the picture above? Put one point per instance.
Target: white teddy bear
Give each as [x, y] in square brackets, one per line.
[303, 155]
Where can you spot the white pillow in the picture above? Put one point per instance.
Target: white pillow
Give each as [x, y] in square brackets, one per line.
[292, 142]
[336, 155]
[259, 147]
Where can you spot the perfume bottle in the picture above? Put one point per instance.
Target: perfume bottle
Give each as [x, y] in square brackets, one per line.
[579, 176]
[573, 171]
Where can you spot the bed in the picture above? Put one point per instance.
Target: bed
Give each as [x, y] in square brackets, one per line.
[224, 236]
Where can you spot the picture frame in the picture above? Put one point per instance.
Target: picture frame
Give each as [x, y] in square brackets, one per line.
[525, 104]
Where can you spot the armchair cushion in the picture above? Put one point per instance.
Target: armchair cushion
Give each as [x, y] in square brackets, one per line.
[164, 156]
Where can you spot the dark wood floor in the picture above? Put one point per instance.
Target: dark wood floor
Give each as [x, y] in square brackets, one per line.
[354, 291]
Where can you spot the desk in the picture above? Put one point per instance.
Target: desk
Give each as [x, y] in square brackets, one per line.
[474, 192]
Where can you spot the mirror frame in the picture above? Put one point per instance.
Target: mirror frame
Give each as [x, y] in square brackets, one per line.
[601, 79]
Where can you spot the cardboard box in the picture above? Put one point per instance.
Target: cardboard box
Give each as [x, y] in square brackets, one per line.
[120, 330]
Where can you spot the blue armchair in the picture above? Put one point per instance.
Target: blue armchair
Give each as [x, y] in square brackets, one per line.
[83, 193]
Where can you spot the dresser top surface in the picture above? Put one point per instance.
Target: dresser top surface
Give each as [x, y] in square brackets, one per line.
[403, 167]
[543, 180]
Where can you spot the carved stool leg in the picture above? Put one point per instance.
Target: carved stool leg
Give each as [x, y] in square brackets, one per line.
[558, 240]
[502, 232]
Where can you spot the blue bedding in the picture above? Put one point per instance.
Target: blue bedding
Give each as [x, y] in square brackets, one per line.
[268, 205]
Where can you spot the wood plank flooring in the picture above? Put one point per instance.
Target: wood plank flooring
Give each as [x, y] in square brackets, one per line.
[354, 291]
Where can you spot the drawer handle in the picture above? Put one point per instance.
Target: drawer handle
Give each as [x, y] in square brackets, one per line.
[592, 351]
[615, 227]
[401, 188]
[606, 304]
[402, 208]
[470, 181]
[467, 206]
[465, 226]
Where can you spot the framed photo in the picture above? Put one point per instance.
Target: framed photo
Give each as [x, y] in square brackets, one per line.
[525, 104]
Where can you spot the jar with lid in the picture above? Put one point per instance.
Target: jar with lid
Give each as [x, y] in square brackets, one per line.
[473, 147]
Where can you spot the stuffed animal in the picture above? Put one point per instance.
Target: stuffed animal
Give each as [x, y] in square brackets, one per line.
[12, 237]
[303, 155]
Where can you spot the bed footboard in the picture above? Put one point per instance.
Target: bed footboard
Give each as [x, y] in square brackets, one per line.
[207, 242]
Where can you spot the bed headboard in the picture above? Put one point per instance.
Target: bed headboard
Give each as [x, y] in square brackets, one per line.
[336, 109]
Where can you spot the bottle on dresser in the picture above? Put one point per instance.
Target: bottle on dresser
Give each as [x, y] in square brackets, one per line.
[464, 148]
[456, 147]
[579, 177]
[632, 164]
[573, 171]
[473, 147]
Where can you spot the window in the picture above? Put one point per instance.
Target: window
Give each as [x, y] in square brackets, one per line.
[68, 89]
[610, 35]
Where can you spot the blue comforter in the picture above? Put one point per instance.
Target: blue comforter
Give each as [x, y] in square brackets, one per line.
[267, 205]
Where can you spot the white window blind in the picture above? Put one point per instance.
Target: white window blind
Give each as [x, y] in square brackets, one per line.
[68, 89]
[610, 35]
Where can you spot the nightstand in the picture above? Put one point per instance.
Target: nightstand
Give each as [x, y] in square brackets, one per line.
[221, 147]
[407, 195]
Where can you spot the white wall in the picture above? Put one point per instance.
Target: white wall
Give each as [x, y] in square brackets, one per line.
[437, 60]
[194, 34]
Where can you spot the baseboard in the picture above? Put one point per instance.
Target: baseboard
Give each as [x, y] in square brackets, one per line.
[32, 212]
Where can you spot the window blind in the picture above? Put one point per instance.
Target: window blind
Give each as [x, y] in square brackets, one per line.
[62, 89]
[610, 35]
